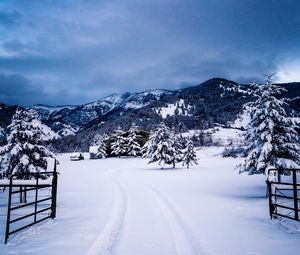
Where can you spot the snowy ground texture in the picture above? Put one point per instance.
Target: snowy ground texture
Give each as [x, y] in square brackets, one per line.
[123, 206]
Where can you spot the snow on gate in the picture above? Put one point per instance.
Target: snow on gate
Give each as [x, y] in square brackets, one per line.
[24, 203]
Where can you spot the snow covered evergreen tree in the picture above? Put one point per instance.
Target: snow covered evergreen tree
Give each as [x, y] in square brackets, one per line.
[271, 136]
[99, 141]
[119, 146]
[161, 147]
[24, 152]
[133, 146]
[178, 147]
[189, 154]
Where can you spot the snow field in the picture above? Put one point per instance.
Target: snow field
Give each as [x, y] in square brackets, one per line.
[123, 206]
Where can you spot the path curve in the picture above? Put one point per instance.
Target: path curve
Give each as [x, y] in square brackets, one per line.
[186, 243]
[108, 240]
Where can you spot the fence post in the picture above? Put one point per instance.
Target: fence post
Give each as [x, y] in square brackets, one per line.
[54, 192]
[8, 210]
[36, 196]
[21, 197]
[25, 195]
[270, 198]
[295, 195]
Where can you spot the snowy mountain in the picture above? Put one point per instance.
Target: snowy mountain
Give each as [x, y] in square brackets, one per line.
[139, 100]
[216, 102]
[68, 120]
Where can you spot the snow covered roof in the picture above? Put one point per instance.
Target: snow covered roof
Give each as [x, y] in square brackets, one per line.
[75, 154]
[93, 149]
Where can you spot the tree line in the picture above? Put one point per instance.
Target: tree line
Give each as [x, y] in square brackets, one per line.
[164, 146]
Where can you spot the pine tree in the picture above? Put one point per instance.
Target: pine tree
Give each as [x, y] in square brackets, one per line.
[99, 141]
[189, 154]
[271, 136]
[24, 152]
[161, 147]
[134, 148]
[178, 146]
[119, 146]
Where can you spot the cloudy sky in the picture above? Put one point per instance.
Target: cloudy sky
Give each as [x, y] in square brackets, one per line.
[77, 51]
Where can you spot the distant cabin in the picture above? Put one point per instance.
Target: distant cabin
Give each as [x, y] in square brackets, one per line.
[93, 152]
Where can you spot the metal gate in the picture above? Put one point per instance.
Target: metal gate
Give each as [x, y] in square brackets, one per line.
[30, 202]
[284, 191]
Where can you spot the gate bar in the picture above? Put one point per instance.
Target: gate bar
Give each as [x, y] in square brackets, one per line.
[8, 212]
[295, 195]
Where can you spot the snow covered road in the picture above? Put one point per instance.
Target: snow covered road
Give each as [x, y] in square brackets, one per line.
[123, 206]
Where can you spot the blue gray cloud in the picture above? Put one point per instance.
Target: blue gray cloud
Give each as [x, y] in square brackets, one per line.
[76, 51]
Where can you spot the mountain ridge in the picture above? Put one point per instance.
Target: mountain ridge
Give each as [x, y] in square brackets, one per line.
[215, 101]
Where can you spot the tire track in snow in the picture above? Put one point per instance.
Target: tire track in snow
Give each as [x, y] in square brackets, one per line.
[186, 243]
[108, 240]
